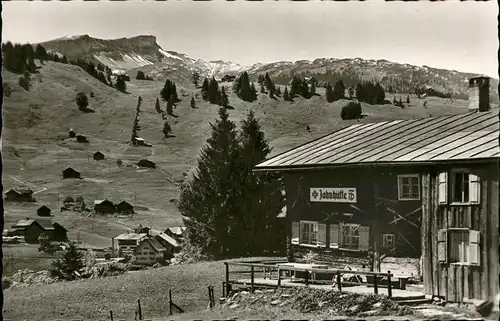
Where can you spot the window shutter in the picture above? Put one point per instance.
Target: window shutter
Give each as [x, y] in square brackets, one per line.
[321, 235]
[474, 250]
[364, 238]
[474, 189]
[443, 246]
[334, 236]
[295, 232]
[443, 188]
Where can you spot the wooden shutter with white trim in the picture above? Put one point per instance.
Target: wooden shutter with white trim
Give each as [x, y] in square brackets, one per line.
[334, 236]
[474, 189]
[364, 238]
[443, 188]
[474, 249]
[321, 235]
[295, 232]
[443, 246]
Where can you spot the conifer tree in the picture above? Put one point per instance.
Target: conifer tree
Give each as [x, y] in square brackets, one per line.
[256, 230]
[120, 84]
[204, 89]
[213, 91]
[408, 99]
[339, 90]
[170, 105]
[71, 262]
[208, 202]
[193, 103]
[224, 100]
[82, 101]
[329, 93]
[157, 106]
[140, 75]
[166, 129]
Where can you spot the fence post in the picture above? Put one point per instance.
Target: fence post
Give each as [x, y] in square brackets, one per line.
[252, 278]
[339, 281]
[111, 314]
[389, 284]
[169, 302]
[375, 285]
[227, 278]
[223, 289]
[279, 277]
[307, 277]
[139, 308]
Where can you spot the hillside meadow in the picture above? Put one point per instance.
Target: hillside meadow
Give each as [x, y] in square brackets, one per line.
[36, 146]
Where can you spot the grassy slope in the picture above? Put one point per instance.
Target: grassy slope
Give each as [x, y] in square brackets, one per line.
[36, 147]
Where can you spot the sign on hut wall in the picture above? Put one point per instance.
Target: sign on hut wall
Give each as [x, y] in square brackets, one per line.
[334, 195]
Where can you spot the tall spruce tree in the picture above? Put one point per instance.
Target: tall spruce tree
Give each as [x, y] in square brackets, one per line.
[260, 199]
[208, 202]
[71, 262]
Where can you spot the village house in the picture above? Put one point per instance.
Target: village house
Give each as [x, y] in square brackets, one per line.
[423, 188]
[127, 242]
[98, 156]
[149, 251]
[170, 244]
[104, 207]
[71, 173]
[43, 211]
[124, 208]
[31, 230]
[146, 163]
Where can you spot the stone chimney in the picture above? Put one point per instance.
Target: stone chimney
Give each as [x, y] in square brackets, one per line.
[479, 94]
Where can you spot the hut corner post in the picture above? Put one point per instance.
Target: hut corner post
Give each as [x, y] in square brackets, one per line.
[376, 243]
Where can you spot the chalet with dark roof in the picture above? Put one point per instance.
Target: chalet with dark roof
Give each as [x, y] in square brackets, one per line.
[19, 195]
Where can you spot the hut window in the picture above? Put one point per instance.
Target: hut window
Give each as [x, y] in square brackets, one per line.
[465, 187]
[308, 232]
[388, 240]
[350, 236]
[459, 246]
[408, 187]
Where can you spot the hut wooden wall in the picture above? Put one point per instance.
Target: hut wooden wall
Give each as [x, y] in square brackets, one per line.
[458, 282]
[407, 230]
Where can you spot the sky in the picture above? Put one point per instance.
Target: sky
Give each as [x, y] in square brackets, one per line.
[451, 34]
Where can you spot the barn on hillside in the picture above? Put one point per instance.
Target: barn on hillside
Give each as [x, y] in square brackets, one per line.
[104, 207]
[71, 173]
[81, 139]
[43, 211]
[146, 163]
[426, 188]
[98, 156]
[19, 195]
[125, 208]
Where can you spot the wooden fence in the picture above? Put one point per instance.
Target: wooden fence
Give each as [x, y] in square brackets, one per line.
[308, 275]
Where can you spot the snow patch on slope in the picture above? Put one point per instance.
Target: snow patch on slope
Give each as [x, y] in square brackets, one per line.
[166, 54]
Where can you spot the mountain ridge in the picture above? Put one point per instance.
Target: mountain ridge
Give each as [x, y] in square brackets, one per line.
[143, 51]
